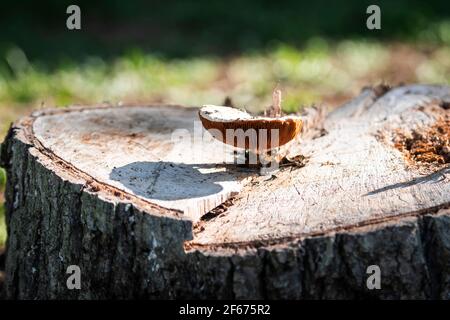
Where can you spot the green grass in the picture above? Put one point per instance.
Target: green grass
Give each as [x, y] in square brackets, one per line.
[320, 70]
[2, 178]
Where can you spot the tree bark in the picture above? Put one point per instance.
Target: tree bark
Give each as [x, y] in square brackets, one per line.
[108, 189]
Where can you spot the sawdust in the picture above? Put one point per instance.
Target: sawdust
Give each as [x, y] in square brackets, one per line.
[426, 146]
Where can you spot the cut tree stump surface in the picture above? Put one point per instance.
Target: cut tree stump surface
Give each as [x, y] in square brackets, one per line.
[148, 152]
[147, 209]
[354, 176]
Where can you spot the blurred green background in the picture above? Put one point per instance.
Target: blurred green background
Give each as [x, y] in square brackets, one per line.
[197, 52]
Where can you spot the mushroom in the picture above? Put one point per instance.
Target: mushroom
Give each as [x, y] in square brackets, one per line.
[260, 134]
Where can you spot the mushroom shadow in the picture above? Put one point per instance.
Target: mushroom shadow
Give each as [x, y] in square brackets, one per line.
[171, 181]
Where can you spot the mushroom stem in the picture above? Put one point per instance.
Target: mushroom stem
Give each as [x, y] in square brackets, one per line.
[249, 159]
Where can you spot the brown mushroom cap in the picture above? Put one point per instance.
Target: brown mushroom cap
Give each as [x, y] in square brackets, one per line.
[223, 119]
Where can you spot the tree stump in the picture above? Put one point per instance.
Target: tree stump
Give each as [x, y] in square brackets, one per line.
[108, 189]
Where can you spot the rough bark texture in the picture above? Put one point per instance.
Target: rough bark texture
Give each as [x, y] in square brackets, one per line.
[59, 214]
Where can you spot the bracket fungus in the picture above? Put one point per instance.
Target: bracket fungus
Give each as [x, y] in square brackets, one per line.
[258, 134]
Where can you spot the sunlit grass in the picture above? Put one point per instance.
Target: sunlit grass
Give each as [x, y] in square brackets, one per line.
[320, 69]
[437, 68]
